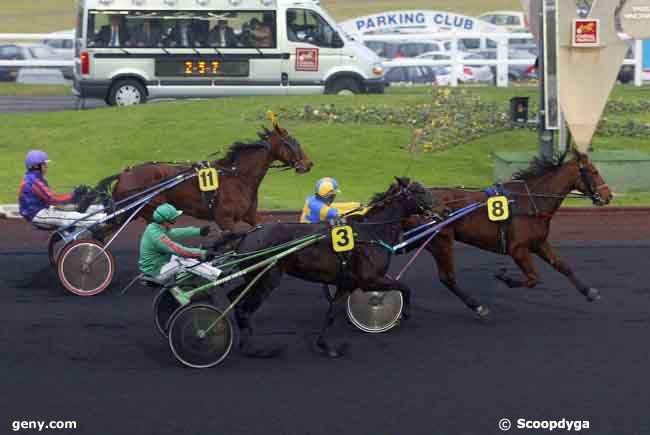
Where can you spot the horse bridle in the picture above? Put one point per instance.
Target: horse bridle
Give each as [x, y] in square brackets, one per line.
[587, 180]
[296, 153]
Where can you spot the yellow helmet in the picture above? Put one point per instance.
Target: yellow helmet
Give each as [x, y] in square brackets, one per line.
[326, 187]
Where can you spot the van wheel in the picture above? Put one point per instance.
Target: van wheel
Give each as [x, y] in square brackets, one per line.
[344, 87]
[127, 93]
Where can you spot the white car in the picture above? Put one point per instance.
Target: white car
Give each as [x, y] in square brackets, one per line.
[467, 73]
[510, 20]
[61, 42]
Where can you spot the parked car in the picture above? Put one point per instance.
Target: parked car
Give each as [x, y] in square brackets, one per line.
[414, 71]
[29, 52]
[515, 72]
[61, 42]
[626, 73]
[509, 20]
[395, 50]
[467, 73]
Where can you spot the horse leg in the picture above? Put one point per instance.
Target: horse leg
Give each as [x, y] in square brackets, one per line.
[385, 283]
[548, 254]
[251, 303]
[442, 251]
[523, 259]
[322, 343]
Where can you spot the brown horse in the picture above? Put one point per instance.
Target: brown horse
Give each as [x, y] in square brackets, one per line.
[240, 174]
[537, 193]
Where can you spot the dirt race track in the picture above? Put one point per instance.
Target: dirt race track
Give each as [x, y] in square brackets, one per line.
[544, 353]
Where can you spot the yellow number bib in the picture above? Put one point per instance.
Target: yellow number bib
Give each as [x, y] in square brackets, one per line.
[342, 238]
[498, 208]
[208, 180]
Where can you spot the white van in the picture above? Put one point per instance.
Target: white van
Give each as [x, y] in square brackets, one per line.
[129, 51]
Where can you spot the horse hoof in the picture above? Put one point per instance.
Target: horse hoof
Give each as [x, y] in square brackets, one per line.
[593, 295]
[482, 311]
[263, 353]
[332, 352]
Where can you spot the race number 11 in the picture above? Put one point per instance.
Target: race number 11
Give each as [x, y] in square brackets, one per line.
[208, 180]
[498, 208]
[342, 239]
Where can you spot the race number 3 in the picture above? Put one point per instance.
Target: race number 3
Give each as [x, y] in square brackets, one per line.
[342, 239]
[208, 180]
[498, 208]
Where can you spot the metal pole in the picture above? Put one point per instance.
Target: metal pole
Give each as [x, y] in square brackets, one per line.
[545, 136]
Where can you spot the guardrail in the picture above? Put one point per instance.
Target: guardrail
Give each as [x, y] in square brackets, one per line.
[502, 45]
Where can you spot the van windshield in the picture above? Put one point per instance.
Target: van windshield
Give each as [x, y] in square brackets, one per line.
[182, 29]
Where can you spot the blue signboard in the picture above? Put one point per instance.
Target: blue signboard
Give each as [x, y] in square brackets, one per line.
[646, 55]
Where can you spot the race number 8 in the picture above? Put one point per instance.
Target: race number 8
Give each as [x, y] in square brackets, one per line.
[342, 239]
[208, 180]
[498, 208]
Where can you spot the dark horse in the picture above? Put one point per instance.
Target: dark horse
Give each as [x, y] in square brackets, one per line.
[240, 174]
[538, 193]
[364, 267]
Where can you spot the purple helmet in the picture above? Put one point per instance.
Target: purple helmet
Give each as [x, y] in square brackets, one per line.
[35, 158]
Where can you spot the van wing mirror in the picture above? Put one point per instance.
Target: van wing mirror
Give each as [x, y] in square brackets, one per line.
[337, 41]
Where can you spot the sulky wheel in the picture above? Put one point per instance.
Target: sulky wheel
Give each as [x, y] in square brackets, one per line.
[85, 268]
[200, 336]
[164, 305]
[375, 312]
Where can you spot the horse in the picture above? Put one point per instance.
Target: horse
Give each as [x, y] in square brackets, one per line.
[364, 267]
[241, 172]
[537, 192]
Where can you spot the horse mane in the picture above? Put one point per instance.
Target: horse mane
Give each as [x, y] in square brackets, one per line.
[539, 167]
[242, 147]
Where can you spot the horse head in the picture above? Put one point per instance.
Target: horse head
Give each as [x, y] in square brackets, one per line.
[590, 182]
[286, 149]
[415, 198]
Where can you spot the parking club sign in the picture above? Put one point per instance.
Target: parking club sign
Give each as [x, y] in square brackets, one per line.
[586, 32]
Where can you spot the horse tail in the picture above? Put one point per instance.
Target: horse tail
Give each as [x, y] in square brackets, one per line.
[104, 186]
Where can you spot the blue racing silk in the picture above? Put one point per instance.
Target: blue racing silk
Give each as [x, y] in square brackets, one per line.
[34, 195]
[316, 210]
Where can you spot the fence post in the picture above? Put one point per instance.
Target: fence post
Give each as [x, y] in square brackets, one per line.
[638, 62]
[502, 64]
[454, 59]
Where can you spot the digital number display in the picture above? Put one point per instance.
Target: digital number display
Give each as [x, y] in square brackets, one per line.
[201, 68]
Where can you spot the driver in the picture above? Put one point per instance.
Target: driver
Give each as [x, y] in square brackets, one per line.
[318, 206]
[162, 257]
[37, 201]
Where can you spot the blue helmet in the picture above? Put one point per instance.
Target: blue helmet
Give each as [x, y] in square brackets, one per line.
[326, 187]
[35, 158]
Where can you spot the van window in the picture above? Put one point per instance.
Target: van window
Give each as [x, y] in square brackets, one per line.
[304, 25]
[182, 29]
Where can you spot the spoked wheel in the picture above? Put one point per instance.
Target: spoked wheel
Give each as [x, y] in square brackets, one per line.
[164, 306]
[85, 268]
[375, 312]
[200, 336]
[54, 246]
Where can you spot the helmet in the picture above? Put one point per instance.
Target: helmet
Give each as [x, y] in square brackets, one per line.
[35, 158]
[326, 187]
[166, 213]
